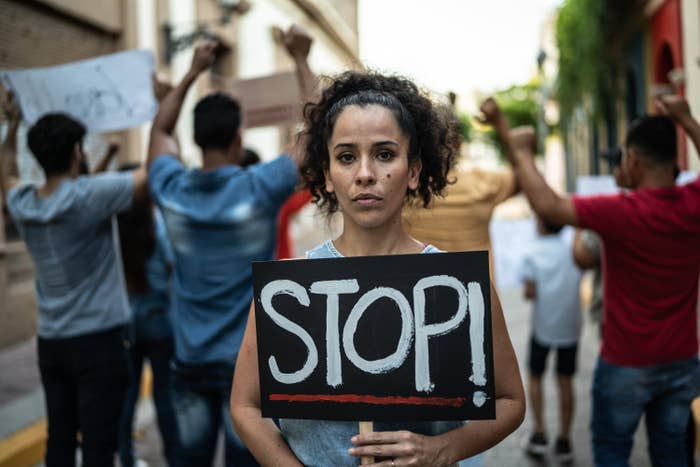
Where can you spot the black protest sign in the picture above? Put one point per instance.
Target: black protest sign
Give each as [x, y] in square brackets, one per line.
[384, 338]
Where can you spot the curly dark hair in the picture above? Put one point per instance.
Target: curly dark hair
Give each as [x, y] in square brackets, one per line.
[427, 125]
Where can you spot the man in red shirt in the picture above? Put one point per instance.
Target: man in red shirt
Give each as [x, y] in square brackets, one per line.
[651, 260]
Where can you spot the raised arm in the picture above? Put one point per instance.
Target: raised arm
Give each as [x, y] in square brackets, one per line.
[162, 139]
[544, 201]
[491, 114]
[259, 434]
[9, 174]
[678, 109]
[298, 44]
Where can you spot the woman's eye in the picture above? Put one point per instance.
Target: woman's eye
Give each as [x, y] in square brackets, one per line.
[385, 155]
[346, 158]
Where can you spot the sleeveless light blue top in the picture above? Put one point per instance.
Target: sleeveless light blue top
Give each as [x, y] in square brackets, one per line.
[326, 442]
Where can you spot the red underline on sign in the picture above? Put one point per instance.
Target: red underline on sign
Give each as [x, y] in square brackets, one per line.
[367, 399]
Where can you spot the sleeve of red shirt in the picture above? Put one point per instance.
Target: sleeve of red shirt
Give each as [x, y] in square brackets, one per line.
[603, 214]
[293, 204]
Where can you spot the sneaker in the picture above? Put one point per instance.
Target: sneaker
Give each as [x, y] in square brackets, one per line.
[537, 445]
[562, 450]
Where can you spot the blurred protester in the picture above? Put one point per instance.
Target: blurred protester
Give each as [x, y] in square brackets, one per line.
[147, 261]
[651, 236]
[219, 219]
[552, 280]
[459, 221]
[67, 225]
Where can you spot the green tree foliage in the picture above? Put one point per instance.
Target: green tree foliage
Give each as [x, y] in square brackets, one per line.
[465, 127]
[592, 36]
[581, 52]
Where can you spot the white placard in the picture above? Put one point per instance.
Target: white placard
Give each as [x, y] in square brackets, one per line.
[107, 93]
[587, 185]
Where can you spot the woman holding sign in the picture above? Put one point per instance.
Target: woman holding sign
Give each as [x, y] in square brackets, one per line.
[370, 143]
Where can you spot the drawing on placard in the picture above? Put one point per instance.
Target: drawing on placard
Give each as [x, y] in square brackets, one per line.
[107, 93]
[98, 101]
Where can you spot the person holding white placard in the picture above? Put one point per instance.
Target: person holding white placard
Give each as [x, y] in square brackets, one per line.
[67, 225]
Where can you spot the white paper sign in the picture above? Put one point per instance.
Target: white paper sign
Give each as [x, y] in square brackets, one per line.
[108, 93]
[587, 185]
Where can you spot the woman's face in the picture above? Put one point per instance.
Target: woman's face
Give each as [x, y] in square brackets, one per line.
[368, 169]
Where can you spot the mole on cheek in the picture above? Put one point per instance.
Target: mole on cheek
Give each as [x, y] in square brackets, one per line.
[388, 175]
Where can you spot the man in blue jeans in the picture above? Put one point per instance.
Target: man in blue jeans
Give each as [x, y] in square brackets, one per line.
[219, 218]
[67, 225]
[648, 361]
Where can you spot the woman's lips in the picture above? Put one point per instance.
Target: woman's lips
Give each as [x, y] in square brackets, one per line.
[366, 199]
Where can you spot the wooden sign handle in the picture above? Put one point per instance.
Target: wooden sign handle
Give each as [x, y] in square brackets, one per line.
[366, 427]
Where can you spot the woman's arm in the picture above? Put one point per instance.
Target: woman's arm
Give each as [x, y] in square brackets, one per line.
[405, 448]
[260, 435]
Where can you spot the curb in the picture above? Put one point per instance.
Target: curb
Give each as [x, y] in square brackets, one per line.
[24, 448]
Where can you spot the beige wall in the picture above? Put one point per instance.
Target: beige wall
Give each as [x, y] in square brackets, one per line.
[690, 16]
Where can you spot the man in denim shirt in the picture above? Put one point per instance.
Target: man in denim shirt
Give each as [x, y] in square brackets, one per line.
[83, 309]
[219, 218]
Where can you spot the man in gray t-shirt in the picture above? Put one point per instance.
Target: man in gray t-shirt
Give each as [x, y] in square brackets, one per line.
[68, 228]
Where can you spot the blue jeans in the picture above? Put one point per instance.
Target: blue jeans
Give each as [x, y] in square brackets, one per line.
[621, 395]
[159, 353]
[201, 395]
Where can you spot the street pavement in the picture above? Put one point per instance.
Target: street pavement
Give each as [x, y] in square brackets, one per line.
[22, 390]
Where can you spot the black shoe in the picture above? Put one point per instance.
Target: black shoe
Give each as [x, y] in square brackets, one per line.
[562, 450]
[537, 446]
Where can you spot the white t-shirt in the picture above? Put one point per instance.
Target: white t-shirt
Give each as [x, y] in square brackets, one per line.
[556, 317]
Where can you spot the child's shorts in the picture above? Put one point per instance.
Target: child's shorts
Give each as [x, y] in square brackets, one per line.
[566, 358]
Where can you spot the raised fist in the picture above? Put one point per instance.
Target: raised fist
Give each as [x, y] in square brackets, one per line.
[297, 41]
[204, 55]
[490, 111]
[673, 105]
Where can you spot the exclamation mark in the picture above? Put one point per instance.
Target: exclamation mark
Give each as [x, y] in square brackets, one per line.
[476, 337]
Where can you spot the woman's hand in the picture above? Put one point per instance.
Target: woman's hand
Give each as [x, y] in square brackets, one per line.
[400, 448]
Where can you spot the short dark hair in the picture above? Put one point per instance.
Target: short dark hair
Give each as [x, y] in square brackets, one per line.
[52, 140]
[654, 136]
[250, 157]
[427, 125]
[216, 120]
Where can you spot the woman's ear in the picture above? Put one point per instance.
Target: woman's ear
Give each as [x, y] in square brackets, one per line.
[414, 169]
[329, 183]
